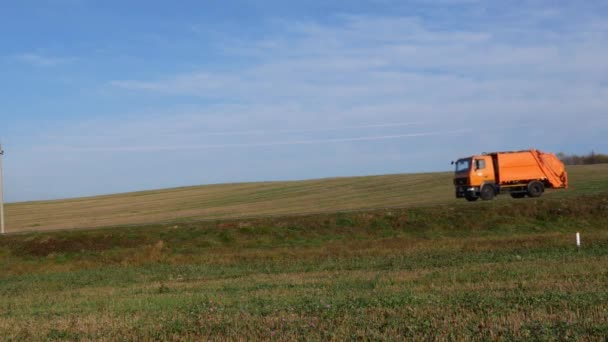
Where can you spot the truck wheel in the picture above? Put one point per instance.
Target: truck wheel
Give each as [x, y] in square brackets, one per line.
[535, 189]
[487, 192]
[471, 198]
[518, 194]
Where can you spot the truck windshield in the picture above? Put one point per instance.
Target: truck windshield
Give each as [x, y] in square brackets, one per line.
[463, 165]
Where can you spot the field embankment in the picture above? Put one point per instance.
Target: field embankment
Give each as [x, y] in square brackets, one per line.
[262, 199]
[500, 270]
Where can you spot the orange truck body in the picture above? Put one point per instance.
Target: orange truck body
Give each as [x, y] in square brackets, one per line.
[520, 173]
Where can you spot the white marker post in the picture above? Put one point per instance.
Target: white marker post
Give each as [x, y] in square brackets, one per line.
[1, 194]
[578, 239]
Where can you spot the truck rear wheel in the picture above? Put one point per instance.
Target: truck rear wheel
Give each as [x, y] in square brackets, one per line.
[487, 192]
[535, 189]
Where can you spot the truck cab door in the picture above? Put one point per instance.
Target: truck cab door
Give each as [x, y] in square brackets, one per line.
[483, 170]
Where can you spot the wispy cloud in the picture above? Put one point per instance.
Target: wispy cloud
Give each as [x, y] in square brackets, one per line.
[364, 65]
[40, 60]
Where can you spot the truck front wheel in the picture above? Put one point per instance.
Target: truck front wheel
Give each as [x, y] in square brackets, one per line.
[487, 192]
[535, 189]
[471, 198]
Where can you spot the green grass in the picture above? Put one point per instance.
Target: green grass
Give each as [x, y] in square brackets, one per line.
[227, 201]
[499, 270]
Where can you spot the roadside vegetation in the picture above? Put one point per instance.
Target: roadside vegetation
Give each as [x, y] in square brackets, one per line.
[501, 270]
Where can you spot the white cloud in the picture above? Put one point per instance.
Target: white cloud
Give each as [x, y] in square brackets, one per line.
[356, 70]
[390, 69]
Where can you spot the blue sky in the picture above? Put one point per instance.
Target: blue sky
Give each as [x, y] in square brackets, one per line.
[113, 96]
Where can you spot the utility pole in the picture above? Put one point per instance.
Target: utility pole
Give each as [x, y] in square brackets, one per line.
[1, 194]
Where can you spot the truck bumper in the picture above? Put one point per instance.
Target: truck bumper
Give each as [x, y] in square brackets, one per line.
[462, 191]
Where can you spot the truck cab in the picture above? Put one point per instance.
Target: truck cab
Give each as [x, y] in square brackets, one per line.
[475, 177]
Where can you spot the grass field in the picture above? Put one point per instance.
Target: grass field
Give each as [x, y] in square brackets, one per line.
[259, 199]
[435, 269]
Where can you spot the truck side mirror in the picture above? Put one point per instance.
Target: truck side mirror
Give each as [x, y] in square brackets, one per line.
[452, 162]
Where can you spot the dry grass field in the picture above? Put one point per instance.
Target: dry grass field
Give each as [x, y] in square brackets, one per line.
[433, 269]
[261, 199]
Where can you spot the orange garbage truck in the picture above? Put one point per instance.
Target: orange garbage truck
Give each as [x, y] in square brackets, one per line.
[519, 173]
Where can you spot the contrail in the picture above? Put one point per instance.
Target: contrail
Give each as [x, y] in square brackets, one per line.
[311, 130]
[259, 132]
[259, 144]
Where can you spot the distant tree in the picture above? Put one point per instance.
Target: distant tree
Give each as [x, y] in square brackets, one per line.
[591, 158]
